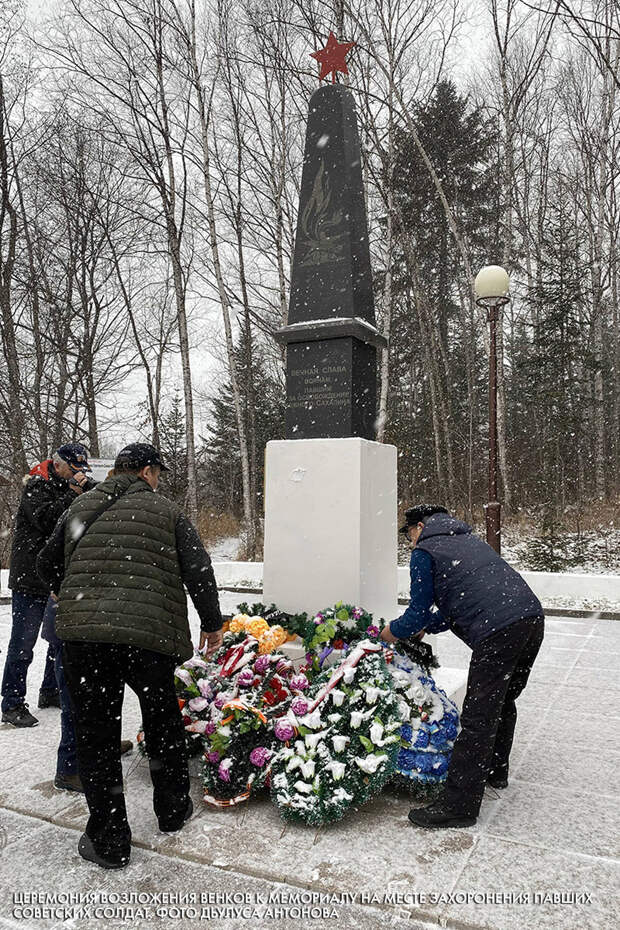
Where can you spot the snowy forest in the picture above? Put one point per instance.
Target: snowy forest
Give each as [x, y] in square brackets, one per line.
[150, 162]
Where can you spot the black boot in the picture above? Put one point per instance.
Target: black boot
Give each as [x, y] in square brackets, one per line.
[49, 699]
[439, 815]
[19, 717]
[111, 860]
[173, 826]
[498, 779]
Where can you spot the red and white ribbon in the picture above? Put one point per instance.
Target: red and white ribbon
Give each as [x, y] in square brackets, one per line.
[366, 647]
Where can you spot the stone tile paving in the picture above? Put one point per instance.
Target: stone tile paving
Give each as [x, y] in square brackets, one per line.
[554, 830]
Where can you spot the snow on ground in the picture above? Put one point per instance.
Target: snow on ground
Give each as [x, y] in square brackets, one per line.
[595, 552]
[554, 830]
[225, 549]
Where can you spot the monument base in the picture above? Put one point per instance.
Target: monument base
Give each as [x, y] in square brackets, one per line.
[330, 525]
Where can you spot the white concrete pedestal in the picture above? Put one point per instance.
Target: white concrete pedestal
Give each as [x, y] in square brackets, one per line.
[330, 525]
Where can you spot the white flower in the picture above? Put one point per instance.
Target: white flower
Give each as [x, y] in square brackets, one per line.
[341, 795]
[302, 787]
[312, 739]
[296, 762]
[307, 769]
[404, 711]
[370, 764]
[358, 715]
[300, 747]
[349, 674]
[313, 720]
[338, 697]
[337, 769]
[417, 693]
[334, 718]
[372, 694]
[376, 734]
[340, 742]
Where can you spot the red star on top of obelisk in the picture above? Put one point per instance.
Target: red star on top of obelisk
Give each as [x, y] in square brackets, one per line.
[332, 57]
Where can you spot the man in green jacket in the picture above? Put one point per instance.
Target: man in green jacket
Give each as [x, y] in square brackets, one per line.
[118, 560]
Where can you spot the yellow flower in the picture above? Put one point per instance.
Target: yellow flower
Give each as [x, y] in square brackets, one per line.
[257, 627]
[238, 623]
[270, 640]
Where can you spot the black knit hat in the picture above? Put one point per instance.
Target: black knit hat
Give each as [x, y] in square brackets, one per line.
[137, 455]
[419, 514]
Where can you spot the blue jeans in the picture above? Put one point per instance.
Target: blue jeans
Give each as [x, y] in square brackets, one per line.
[28, 610]
[66, 763]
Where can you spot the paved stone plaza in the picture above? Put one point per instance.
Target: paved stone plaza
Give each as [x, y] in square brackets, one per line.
[555, 830]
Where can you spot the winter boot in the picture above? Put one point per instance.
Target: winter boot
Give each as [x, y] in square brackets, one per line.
[498, 779]
[116, 859]
[19, 716]
[69, 783]
[49, 699]
[171, 826]
[439, 815]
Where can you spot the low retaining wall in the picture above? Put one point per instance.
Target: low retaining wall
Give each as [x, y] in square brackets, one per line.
[248, 577]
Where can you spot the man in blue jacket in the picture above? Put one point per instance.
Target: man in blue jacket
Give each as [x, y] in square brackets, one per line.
[488, 605]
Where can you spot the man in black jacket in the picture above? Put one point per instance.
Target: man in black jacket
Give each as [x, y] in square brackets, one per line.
[118, 561]
[488, 605]
[49, 488]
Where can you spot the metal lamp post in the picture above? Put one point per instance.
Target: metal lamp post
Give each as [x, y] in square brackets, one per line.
[492, 285]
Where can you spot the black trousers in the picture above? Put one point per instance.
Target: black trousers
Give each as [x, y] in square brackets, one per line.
[498, 672]
[96, 674]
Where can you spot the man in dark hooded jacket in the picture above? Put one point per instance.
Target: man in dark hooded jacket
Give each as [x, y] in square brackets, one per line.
[49, 488]
[488, 605]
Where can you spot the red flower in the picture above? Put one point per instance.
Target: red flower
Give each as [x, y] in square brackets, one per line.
[338, 644]
[269, 698]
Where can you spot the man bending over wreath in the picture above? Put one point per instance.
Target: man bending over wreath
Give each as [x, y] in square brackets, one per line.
[488, 605]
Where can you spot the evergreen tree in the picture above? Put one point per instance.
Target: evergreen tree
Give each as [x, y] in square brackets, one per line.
[433, 405]
[222, 470]
[174, 450]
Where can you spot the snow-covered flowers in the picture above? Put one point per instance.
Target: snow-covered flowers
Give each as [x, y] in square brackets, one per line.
[260, 756]
[262, 664]
[283, 729]
[224, 769]
[246, 678]
[371, 763]
[299, 706]
[197, 704]
[299, 682]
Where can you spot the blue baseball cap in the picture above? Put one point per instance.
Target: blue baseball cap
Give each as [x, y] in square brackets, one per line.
[137, 455]
[75, 455]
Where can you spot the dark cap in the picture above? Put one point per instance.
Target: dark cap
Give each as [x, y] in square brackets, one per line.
[419, 514]
[75, 455]
[138, 455]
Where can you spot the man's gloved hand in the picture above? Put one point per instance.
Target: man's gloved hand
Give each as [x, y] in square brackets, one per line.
[213, 642]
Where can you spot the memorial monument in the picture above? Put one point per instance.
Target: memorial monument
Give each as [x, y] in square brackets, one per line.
[330, 489]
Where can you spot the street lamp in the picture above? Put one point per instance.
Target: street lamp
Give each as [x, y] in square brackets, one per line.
[491, 286]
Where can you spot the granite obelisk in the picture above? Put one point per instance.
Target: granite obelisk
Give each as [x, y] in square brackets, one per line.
[331, 334]
[330, 490]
